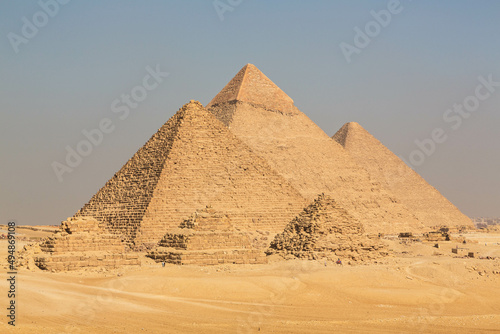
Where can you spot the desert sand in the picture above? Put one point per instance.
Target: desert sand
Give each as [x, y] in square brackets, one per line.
[419, 288]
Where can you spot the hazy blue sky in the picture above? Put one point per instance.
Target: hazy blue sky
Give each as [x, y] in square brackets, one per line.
[66, 76]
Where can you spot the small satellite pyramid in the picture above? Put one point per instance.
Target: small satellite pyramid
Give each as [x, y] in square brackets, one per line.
[326, 230]
[207, 238]
[191, 162]
[432, 208]
[260, 114]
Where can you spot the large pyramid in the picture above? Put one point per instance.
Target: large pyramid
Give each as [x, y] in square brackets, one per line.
[432, 208]
[265, 118]
[191, 162]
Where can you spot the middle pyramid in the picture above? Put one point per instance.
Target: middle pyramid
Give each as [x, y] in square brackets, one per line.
[260, 114]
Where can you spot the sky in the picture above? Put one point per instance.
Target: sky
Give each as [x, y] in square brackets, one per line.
[421, 76]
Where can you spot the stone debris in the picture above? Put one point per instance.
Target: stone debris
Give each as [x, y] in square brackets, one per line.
[208, 237]
[425, 201]
[325, 230]
[436, 236]
[260, 114]
[461, 251]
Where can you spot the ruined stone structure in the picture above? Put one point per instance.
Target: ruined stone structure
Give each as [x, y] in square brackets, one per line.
[265, 118]
[324, 230]
[82, 243]
[436, 236]
[191, 162]
[427, 203]
[208, 237]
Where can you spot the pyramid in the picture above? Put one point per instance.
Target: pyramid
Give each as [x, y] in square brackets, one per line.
[208, 237]
[80, 243]
[325, 230]
[191, 162]
[432, 208]
[265, 118]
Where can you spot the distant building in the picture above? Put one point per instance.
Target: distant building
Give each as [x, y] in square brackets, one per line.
[484, 222]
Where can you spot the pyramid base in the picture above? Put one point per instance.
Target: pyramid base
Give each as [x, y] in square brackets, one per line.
[208, 257]
[334, 255]
[81, 260]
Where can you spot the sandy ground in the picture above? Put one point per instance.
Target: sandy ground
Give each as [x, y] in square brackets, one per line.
[419, 289]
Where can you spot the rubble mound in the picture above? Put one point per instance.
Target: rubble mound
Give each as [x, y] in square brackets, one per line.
[80, 243]
[326, 230]
[206, 238]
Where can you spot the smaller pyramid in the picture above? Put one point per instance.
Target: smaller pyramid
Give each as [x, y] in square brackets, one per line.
[325, 230]
[426, 202]
[82, 243]
[206, 238]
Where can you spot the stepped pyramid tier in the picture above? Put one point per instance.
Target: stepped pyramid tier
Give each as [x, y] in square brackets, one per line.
[192, 161]
[326, 230]
[432, 208]
[81, 243]
[303, 154]
[208, 237]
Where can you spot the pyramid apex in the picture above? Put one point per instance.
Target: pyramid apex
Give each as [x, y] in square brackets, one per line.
[192, 108]
[192, 104]
[342, 135]
[352, 125]
[252, 86]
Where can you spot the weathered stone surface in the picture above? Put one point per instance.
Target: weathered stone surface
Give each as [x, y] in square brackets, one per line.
[81, 243]
[191, 162]
[432, 208]
[303, 154]
[87, 259]
[208, 237]
[324, 230]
